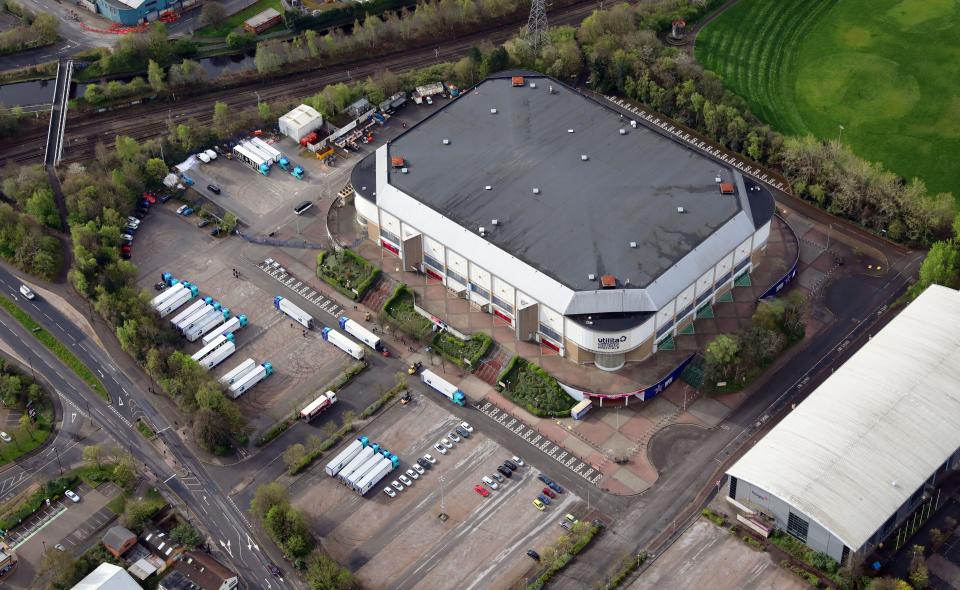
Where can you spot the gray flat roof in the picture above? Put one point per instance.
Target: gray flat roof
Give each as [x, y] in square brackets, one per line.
[587, 212]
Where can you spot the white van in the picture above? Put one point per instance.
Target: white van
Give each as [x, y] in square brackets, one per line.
[27, 292]
[493, 485]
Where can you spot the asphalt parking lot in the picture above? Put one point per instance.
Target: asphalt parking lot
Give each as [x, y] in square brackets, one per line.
[400, 542]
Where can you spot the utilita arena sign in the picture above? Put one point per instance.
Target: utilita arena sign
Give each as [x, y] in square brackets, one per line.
[610, 343]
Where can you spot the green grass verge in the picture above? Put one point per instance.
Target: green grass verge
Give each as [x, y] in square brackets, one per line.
[886, 70]
[23, 442]
[58, 348]
[236, 20]
[144, 430]
[118, 504]
[52, 490]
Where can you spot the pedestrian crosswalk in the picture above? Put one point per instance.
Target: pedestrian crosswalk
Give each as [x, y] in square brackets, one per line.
[542, 443]
[283, 276]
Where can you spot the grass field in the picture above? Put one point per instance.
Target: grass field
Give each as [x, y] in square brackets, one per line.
[888, 71]
[236, 20]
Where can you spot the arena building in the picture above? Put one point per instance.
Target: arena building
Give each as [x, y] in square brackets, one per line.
[578, 227]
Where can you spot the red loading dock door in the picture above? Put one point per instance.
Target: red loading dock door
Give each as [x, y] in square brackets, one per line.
[390, 246]
[546, 342]
[503, 316]
[433, 274]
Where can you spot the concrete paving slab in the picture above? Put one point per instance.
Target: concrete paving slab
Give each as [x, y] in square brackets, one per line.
[710, 411]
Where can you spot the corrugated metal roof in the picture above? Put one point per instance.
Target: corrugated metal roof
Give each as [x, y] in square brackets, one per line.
[865, 440]
[107, 577]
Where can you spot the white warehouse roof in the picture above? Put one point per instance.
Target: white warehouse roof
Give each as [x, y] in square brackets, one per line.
[865, 440]
[107, 577]
[300, 121]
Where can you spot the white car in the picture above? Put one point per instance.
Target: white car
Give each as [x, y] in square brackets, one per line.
[446, 443]
[181, 209]
[5, 437]
[203, 158]
[419, 469]
[72, 495]
[517, 460]
[492, 484]
[126, 237]
[210, 154]
[412, 474]
[440, 449]
[133, 221]
[27, 292]
[389, 491]
[396, 485]
[406, 480]
[466, 426]
[429, 100]
[430, 459]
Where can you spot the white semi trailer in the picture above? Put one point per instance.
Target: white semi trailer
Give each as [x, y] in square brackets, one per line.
[208, 323]
[231, 325]
[376, 474]
[231, 376]
[361, 471]
[172, 304]
[212, 346]
[157, 301]
[345, 456]
[218, 356]
[343, 343]
[190, 310]
[190, 321]
[250, 380]
[362, 457]
[360, 333]
[301, 317]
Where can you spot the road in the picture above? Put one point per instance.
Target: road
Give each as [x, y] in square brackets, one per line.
[169, 461]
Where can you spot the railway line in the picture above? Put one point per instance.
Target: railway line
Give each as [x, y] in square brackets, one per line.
[146, 121]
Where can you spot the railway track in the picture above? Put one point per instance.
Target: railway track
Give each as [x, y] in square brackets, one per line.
[150, 120]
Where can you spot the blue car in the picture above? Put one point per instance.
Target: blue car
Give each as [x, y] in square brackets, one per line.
[543, 499]
[544, 479]
[186, 212]
[555, 486]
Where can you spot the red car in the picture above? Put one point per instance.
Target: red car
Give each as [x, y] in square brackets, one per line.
[125, 248]
[481, 490]
[549, 493]
[150, 198]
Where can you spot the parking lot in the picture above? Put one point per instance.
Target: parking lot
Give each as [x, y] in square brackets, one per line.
[73, 526]
[401, 542]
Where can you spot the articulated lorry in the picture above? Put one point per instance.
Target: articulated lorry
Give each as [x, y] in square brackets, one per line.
[218, 356]
[343, 343]
[301, 317]
[346, 455]
[212, 346]
[157, 301]
[362, 457]
[189, 322]
[360, 333]
[231, 325]
[250, 380]
[231, 376]
[362, 471]
[207, 323]
[377, 473]
[443, 386]
[318, 406]
[190, 310]
[173, 303]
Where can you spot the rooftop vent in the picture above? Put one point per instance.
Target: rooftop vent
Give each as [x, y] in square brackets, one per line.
[494, 222]
[633, 244]
[488, 188]
[608, 281]
[446, 142]
[516, 81]
[536, 190]
[623, 131]
[404, 170]
[397, 161]
[483, 230]
[569, 130]
[533, 84]
[551, 89]
[592, 277]
[584, 157]
[493, 111]
[633, 124]
[718, 179]
[726, 188]
[681, 210]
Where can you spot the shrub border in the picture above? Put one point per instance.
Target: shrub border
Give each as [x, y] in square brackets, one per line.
[362, 287]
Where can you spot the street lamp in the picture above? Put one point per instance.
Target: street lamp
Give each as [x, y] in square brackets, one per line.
[840, 136]
[58, 459]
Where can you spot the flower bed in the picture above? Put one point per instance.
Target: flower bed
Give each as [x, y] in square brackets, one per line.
[532, 388]
[347, 272]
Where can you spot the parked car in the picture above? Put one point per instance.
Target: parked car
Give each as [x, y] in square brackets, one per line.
[446, 443]
[412, 474]
[27, 292]
[430, 459]
[161, 286]
[539, 505]
[462, 432]
[543, 499]
[59, 547]
[498, 477]
[389, 491]
[149, 198]
[453, 436]
[133, 220]
[125, 254]
[139, 214]
[126, 237]
[533, 554]
[203, 223]
[570, 518]
[396, 485]
[406, 480]
[517, 460]
[493, 485]
[566, 524]
[424, 463]
[181, 209]
[549, 493]
[213, 189]
[440, 448]
[126, 247]
[466, 427]
[555, 487]
[507, 465]
[165, 197]
[5, 437]
[203, 158]
[481, 490]
[418, 468]
[544, 479]
[511, 464]
[504, 471]
[187, 212]
[72, 495]
[216, 231]
[210, 154]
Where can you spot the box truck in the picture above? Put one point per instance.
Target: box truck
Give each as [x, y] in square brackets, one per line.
[360, 333]
[231, 325]
[301, 317]
[237, 372]
[443, 386]
[346, 455]
[317, 406]
[250, 380]
[343, 343]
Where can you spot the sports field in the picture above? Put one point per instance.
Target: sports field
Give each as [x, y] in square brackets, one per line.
[888, 71]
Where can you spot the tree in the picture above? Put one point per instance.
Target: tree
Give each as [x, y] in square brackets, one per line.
[137, 513]
[43, 208]
[155, 75]
[313, 443]
[793, 324]
[769, 314]
[229, 222]
[294, 455]
[323, 573]
[263, 109]
[889, 584]
[211, 431]
[328, 428]
[238, 40]
[266, 497]
[221, 118]
[348, 417]
[60, 569]
[124, 469]
[941, 266]
[723, 354]
[213, 13]
[27, 426]
[186, 535]
[919, 574]
[154, 171]
[760, 345]
[93, 456]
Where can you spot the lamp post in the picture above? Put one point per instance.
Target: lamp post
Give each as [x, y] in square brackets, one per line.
[58, 459]
[840, 136]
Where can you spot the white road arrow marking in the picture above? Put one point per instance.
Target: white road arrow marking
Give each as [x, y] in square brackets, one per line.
[120, 398]
[73, 417]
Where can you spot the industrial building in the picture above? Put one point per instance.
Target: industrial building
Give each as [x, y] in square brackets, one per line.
[131, 12]
[107, 577]
[261, 22]
[869, 445]
[300, 122]
[577, 227]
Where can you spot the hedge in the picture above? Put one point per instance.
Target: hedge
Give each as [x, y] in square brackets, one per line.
[398, 311]
[501, 378]
[52, 490]
[58, 348]
[536, 390]
[336, 279]
[455, 350]
[377, 404]
[562, 561]
[315, 454]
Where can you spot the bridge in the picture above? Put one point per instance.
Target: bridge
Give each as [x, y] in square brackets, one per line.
[58, 122]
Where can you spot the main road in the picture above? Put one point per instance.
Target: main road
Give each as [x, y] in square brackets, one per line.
[166, 458]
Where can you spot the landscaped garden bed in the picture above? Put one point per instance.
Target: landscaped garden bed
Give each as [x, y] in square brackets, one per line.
[463, 353]
[399, 313]
[347, 272]
[535, 390]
